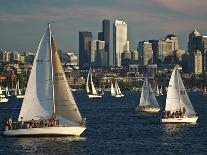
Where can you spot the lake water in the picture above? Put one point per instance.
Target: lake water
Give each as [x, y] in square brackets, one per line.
[114, 127]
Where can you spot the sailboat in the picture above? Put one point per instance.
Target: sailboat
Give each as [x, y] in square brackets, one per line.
[157, 91]
[204, 91]
[178, 108]
[115, 90]
[18, 92]
[7, 92]
[161, 90]
[47, 96]
[148, 102]
[93, 92]
[3, 98]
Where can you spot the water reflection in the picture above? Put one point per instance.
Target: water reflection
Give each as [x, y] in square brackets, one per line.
[48, 145]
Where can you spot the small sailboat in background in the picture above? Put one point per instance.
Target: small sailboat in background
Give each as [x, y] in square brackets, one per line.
[115, 90]
[157, 91]
[48, 108]
[92, 93]
[178, 108]
[148, 102]
[7, 92]
[3, 98]
[161, 90]
[18, 92]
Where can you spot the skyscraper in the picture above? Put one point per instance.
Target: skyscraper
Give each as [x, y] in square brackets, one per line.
[198, 62]
[145, 49]
[98, 54]
[106, 37]
[120, 43]
[205, 54]
[85, 48]
[194, 44]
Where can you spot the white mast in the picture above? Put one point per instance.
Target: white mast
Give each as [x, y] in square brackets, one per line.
[52, 72]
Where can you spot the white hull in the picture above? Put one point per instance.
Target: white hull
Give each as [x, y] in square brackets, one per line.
[152, 110]
[20, 96]
[119, 95]
[3, 100]
[95, 96]
[180, 120]
[49, 131]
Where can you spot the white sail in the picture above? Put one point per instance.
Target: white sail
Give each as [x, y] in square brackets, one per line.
[118, 91]
[1, 93]
[184, 99]
[177, 97]
[161, 90]
[144, 99]
[94, 92]
[112, 90]
[65, 105]
[87, 82]
[153, 100]
[38, 101]
[158, 91]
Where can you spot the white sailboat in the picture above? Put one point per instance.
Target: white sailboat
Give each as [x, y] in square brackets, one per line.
[18, 92]
[157, 91]
[7, 92]
[48, 95]
[93, 92]
[117, 90]
[3, 98]
[148, 102]
[113, 93]
[161, 90]
[178, 108]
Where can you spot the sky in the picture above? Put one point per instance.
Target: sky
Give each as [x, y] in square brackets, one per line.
[23, 22]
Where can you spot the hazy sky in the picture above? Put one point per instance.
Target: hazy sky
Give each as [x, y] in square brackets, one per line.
[23, 22]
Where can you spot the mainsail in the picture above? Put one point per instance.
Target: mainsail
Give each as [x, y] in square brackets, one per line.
[177, 97]
[38, 96]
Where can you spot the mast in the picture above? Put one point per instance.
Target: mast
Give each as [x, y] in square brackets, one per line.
[52, 70]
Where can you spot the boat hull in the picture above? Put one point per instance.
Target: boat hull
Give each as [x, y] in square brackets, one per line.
[48, 131]
[20, 96]
[94, 96]
[121, 95]
[151, 110]
[4, 100]
[180, 120]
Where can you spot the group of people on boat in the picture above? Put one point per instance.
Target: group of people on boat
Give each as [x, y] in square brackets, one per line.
[176, 114]
[145, 107]
[54, 121]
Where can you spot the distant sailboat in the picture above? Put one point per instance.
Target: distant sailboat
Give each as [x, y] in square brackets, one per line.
[161, 90]
[157, 91]
[115, 90]
[48, 98]
[3, 98]
[113, 93]
[92, 93]
[178, 108]
[7, 92]
[148, 102]
[204, 91]
[18, 92]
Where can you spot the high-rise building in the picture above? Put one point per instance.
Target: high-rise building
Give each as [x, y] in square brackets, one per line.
[205, 54]
[145, 49]
[120, 43]
[98, 54]
[155, 51]
[194, 44]
[135, 57]
[198, 62]
[72, 59]
[106, 37]
[85, 48]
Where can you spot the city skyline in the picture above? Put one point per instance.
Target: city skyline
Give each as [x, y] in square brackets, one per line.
[23, 23]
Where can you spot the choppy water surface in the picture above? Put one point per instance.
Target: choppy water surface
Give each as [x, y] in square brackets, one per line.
[113, 127]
